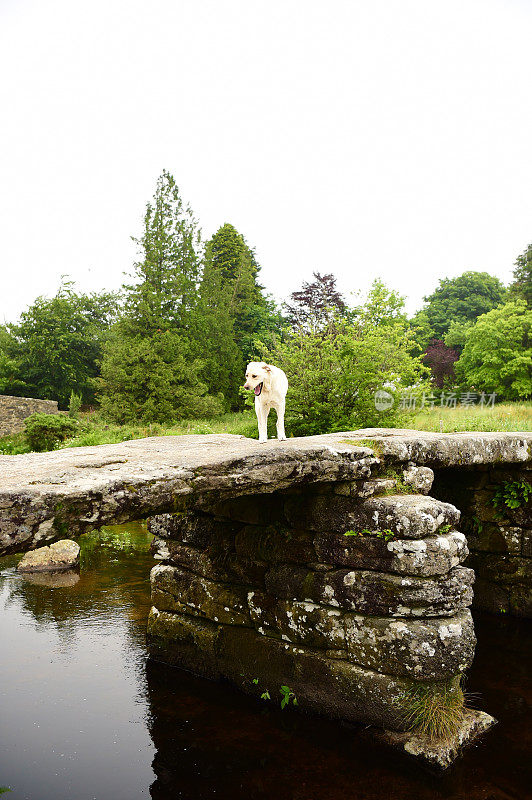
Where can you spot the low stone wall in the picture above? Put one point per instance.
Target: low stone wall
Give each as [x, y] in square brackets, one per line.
[14, 410]
[499, 537]
[352, 596]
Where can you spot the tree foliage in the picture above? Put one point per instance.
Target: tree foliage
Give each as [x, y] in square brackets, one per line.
[441, 359]
[383, 306]
[150, 370]
[56, 346]
[334, 373]
[462, 299]
[231, 275]
[167, 275]
[46, 431]
[154, 379]
[233, 313]
[497, 356]
[315, 304]
[521, 286]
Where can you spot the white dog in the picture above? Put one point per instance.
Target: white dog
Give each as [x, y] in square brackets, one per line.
[270, 386]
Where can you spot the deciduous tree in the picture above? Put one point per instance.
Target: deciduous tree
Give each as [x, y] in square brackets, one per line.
[462, 299]
[497, 356]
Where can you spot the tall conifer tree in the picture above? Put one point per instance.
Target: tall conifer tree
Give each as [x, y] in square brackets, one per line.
[168, 272]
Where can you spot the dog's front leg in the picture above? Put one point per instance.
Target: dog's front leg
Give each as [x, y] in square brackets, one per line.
[262, 420]
[280, 421]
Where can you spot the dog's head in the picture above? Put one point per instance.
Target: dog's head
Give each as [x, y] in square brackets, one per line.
[257, 376]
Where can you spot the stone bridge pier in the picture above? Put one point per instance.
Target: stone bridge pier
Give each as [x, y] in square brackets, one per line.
[332, 572]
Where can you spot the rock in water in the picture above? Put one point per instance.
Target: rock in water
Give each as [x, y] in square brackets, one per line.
[57, 557]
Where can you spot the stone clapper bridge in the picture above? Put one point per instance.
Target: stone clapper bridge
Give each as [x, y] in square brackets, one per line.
[320, 563]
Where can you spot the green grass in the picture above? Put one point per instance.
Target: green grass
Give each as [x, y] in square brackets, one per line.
[503, 417]
[435, 711]
[94, 430]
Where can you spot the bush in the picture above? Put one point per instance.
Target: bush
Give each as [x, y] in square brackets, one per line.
[333, 376]
[45, 431]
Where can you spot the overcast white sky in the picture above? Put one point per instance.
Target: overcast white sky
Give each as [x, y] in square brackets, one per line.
[369, 138]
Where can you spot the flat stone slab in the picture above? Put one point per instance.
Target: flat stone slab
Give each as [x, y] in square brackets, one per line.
[436, 755]
[48, 496]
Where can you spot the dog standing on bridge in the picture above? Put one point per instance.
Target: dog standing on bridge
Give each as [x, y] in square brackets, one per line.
[270, 386]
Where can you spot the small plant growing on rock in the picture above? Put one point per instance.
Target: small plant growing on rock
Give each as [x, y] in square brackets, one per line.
[444, 528]
[386, 534]
[433, 711]
[512, 495]
[287, 696]
[473, 525]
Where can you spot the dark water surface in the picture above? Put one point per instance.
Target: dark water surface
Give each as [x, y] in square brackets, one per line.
[83, 715]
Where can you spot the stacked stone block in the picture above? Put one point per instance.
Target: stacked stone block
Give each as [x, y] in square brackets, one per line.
[349, 594]
[499, 538]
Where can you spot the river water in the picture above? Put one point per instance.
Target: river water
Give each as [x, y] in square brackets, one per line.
[85, 716]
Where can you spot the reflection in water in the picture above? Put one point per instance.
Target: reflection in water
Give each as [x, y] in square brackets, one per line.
[83, 716]
[54, 580]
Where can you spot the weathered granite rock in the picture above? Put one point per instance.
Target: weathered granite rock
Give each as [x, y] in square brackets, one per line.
[192, 528]
[188, 643]
[275, 544]
[364, 488]
[419, 478]
[445, 449]
[434, 555]
[217, 562]
[494, 538]
[374, 593]
[408, 516]
[176, 589]
[62, 555]
[335, 687]
[14, 410]
[427, 649]
[304, 622]
[526, 543]
[438, 755]
[502, 569]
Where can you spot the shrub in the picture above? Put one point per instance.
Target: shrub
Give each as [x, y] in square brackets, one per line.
[333, 376]
[74, 405]
[45, 431]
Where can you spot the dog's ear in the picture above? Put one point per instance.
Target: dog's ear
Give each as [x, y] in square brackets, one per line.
[266, 367]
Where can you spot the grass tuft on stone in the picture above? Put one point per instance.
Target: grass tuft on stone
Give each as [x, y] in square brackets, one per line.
[435, 711]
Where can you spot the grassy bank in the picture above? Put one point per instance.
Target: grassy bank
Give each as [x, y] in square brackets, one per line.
[94, 430]
[503, 417]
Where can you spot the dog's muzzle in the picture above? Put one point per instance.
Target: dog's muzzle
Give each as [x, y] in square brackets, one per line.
[258, 389]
